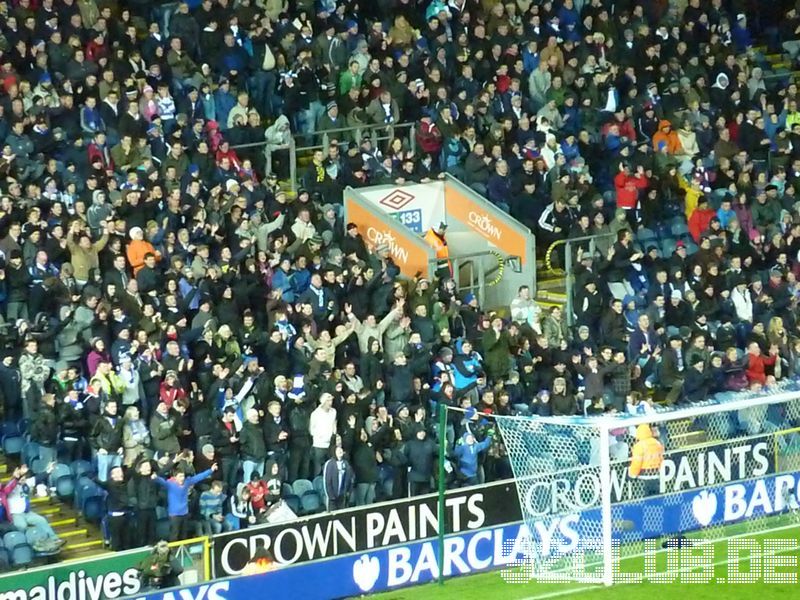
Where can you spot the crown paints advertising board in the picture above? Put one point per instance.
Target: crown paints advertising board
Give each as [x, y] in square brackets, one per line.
[387, 568]
[488, 221]
[406, 248]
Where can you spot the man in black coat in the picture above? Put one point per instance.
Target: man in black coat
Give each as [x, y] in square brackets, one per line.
[696, 382]
[106, 439]
[10, 390]
[44, 429]
[276, 433]
[117, 504]
[225, 439]
[420, 453]
[299, 418]
[143, 498]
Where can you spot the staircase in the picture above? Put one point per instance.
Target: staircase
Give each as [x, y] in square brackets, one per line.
[550, 287]
[83, 539]
[778, 67]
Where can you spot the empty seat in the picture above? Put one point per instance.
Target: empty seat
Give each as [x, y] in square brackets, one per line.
[294, 503]
[319, 485]
[286, 490]
[60, 470]
[94, 508]
[13, 443]
[301, 486]
[22, 555]
[311, 503]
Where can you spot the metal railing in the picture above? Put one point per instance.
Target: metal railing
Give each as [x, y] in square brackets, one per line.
[379, 133]
[478, 274]
[572, 248]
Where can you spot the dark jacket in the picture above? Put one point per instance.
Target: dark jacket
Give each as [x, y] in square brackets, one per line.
[44, 429]
[299, 421]
[330, 473]
[107, 433]
[421, 456]
[221, 439]
[251, 442]
[72, 420]
[143, 492]
[164, 432]
[271, 432]
[117, 500]
[365, 466]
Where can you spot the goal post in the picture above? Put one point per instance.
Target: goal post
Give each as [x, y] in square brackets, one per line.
[730, 467]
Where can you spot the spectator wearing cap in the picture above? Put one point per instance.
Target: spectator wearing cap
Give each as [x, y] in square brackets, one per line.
[138, 248]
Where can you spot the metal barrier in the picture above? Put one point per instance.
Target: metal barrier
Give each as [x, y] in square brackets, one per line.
[380, 133]
[475, 267]
[570, 254]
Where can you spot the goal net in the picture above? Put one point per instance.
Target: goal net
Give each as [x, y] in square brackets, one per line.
[730, 467]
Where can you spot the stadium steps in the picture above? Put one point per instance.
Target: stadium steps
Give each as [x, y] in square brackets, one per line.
[83, 539]
[682, 434]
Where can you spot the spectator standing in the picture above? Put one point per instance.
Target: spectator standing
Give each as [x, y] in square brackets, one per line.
[322, 428]
[106, 440]
[178, 488]
[339, 480]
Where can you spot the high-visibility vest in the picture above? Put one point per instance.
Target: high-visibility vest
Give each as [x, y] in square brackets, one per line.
[438, 244]
[647, 456]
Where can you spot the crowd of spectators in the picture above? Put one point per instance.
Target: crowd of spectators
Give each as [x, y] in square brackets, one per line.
[169, 310]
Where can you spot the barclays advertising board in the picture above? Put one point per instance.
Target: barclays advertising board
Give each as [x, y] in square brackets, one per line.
[387, 568]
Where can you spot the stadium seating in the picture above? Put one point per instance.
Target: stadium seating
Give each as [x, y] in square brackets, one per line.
[311, 503]
[301, 486]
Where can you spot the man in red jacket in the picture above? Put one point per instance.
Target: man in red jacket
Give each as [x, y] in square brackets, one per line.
[700, 218]
[757, 364]
[628, 187]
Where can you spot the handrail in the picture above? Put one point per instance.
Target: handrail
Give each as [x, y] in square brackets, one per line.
[567, 271]
[585, 238]
[294, 149]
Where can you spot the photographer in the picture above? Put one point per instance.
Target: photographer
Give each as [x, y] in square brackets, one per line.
[160, 570]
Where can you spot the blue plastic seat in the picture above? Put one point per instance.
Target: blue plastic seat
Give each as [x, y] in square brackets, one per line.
[294, 503]
[13, 443]
[38, 466]
[30, 451]
[8, 428]
[94, 508]
[12, 539]
[22, 556]
[286, 490]
[311, 503]
[60, 470]
[301, 486]
[319, 485]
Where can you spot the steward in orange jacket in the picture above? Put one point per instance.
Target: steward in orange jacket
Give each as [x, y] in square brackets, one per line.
[435, 239]
[646, 459]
